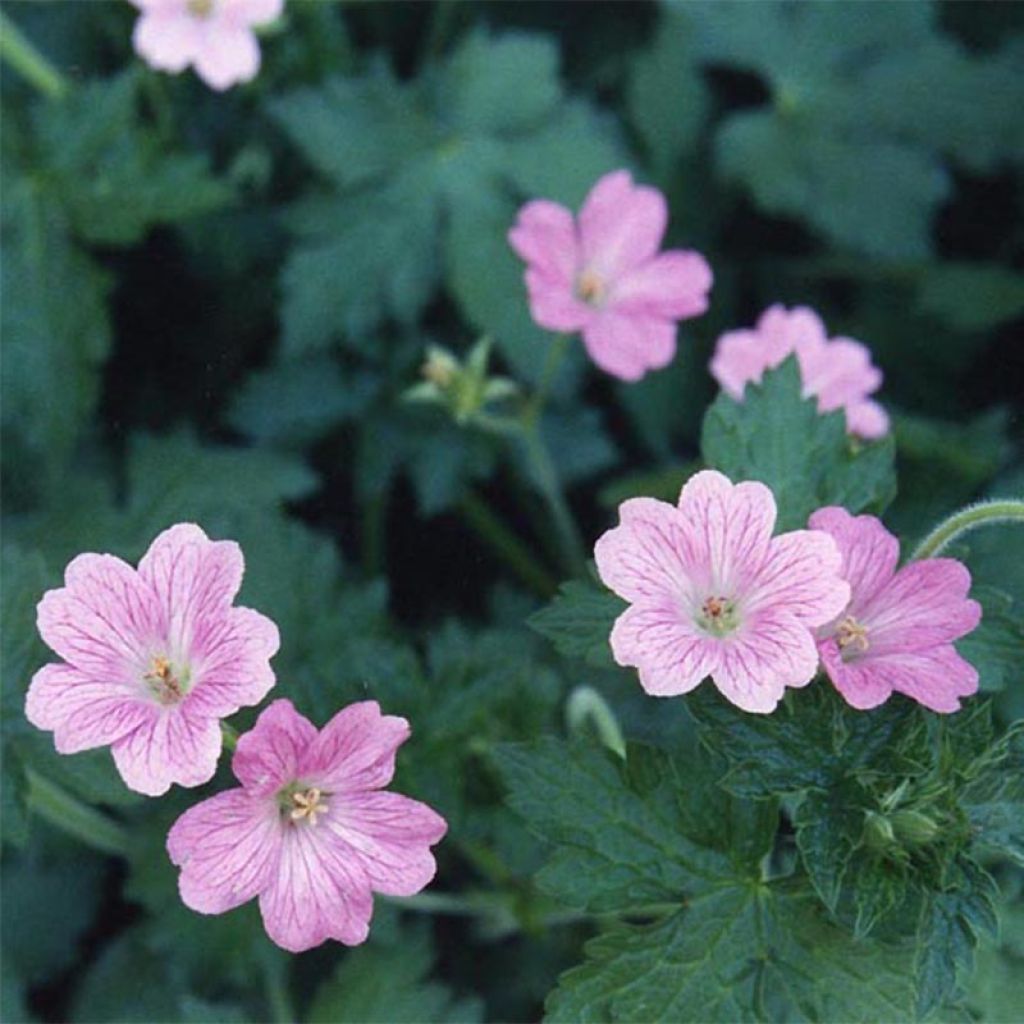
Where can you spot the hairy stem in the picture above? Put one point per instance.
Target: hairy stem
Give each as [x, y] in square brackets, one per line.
[984, 513]
[57, 806]
[230, 735]
[29, 62]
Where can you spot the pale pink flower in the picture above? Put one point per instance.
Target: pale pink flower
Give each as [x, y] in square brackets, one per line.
[603, 275]
[713, 593]
[311, 832]
[897, 632]
[153, 658]
[215, 36]
[838, 372]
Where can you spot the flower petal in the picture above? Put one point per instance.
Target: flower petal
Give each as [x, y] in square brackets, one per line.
[544, 236]
[672, 286]
[554, 306]
[166, 39]
[390, 836]
[355, 750]
[741, 357]
[252, 12]
[171, 746]
[319, 892]
[867, 419]
[267, 756]
[227, 54]
[621, 225]
[627, 346]
[228, 848]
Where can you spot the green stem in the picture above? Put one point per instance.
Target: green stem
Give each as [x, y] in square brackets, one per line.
[29, 62]
[440, 28]
[440, 903]
[512, 551]
[1000, 510]
[552, 362]
[275, 979]
[68, 813]
[230, 734]
[586, 704]
[374, 514]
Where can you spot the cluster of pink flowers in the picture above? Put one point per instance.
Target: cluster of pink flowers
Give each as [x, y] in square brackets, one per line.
[713, 593]
[154, 658]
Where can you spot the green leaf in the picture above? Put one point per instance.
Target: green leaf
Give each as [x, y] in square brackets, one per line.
[994, 797]
[776, 436]
[971, 296]
[389, 985]
[579, 621]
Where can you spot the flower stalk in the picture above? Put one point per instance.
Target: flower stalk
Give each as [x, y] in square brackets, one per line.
[984, 513]
[17, 51]
[58, 807]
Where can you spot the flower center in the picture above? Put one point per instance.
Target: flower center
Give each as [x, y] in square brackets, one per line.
[590, 287]
[304, 804]
[852, 638]
[717, 616]
[166, 683]
[200, 8]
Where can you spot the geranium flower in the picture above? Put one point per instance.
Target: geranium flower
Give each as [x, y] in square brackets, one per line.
[215, 36]
[838, 372]
[713, 593]
[897, 632]
[604, 276]
[153, 658]
[311, 831]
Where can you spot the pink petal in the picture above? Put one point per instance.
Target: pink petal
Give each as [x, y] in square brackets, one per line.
[553, 305]
[100, 620]
[267, 757]
[193, 581]
[857, 681]
[231, 669]
[671, 654]
[170, 747]
[628, 346]
[869, 552]
[802, 574]
[252, 12]
[227, 54]
[355, 750]
[672, 286]
[167, 39]
[740, 358]
[82, 712]
[867, 419]
[318, 893]
[544, 236]
[771, 651]
[791, 329]
[621, 225]
[925, 604]
[838, 373]
[731, 525]
[390, 836]
[228, 848]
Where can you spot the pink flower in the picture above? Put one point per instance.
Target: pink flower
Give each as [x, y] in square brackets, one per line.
[712, 593]
[898, 630]
[838, 372]
[153, 658]
[605, 277]
[213, 35]
[311, 831]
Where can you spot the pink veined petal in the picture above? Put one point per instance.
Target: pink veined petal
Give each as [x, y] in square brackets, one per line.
[231, 669]
[318, 893]
[170, 747]
[674, 285]
[389, 835]
[167, 39]
[628, 346]
[228, 849]
[100, 620]
[867, 420]
[670, 652]
[802, 574]
[650, 554]
[869, 552]
[857, 682]
[771, 650]
[82, 712]
[554, 306]
[267, 756]
[544, 236]
[193, 581]
[925, 604]
[355, 750]
[252, 12]
[621, 225]
[740, 358]
[839, 373]
[227, 54]
[732, 525]
[791, 329]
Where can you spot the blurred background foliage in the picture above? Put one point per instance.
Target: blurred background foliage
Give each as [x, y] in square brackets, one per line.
[213, 303]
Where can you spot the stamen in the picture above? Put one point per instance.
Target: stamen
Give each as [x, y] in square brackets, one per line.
[200, 8]
[308, 804]
[163, 683]
[851, 637]
[717, 615]
[591, 288]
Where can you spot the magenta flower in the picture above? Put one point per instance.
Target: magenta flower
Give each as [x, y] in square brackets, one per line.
[153, 658]
[215, 36]
[712, 593]
[838, 372]
[605, 277]
[897, 632]
[311, 831]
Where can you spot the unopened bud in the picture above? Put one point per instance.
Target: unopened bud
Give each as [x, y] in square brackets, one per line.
[913, 827]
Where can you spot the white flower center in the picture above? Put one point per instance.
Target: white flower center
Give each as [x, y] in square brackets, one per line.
[718, 616]
[852, 638]
[165, 681]
[304, 804]
[591, 288]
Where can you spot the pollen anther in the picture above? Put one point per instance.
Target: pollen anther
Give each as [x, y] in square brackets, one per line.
[308, 804]
[851, 636]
